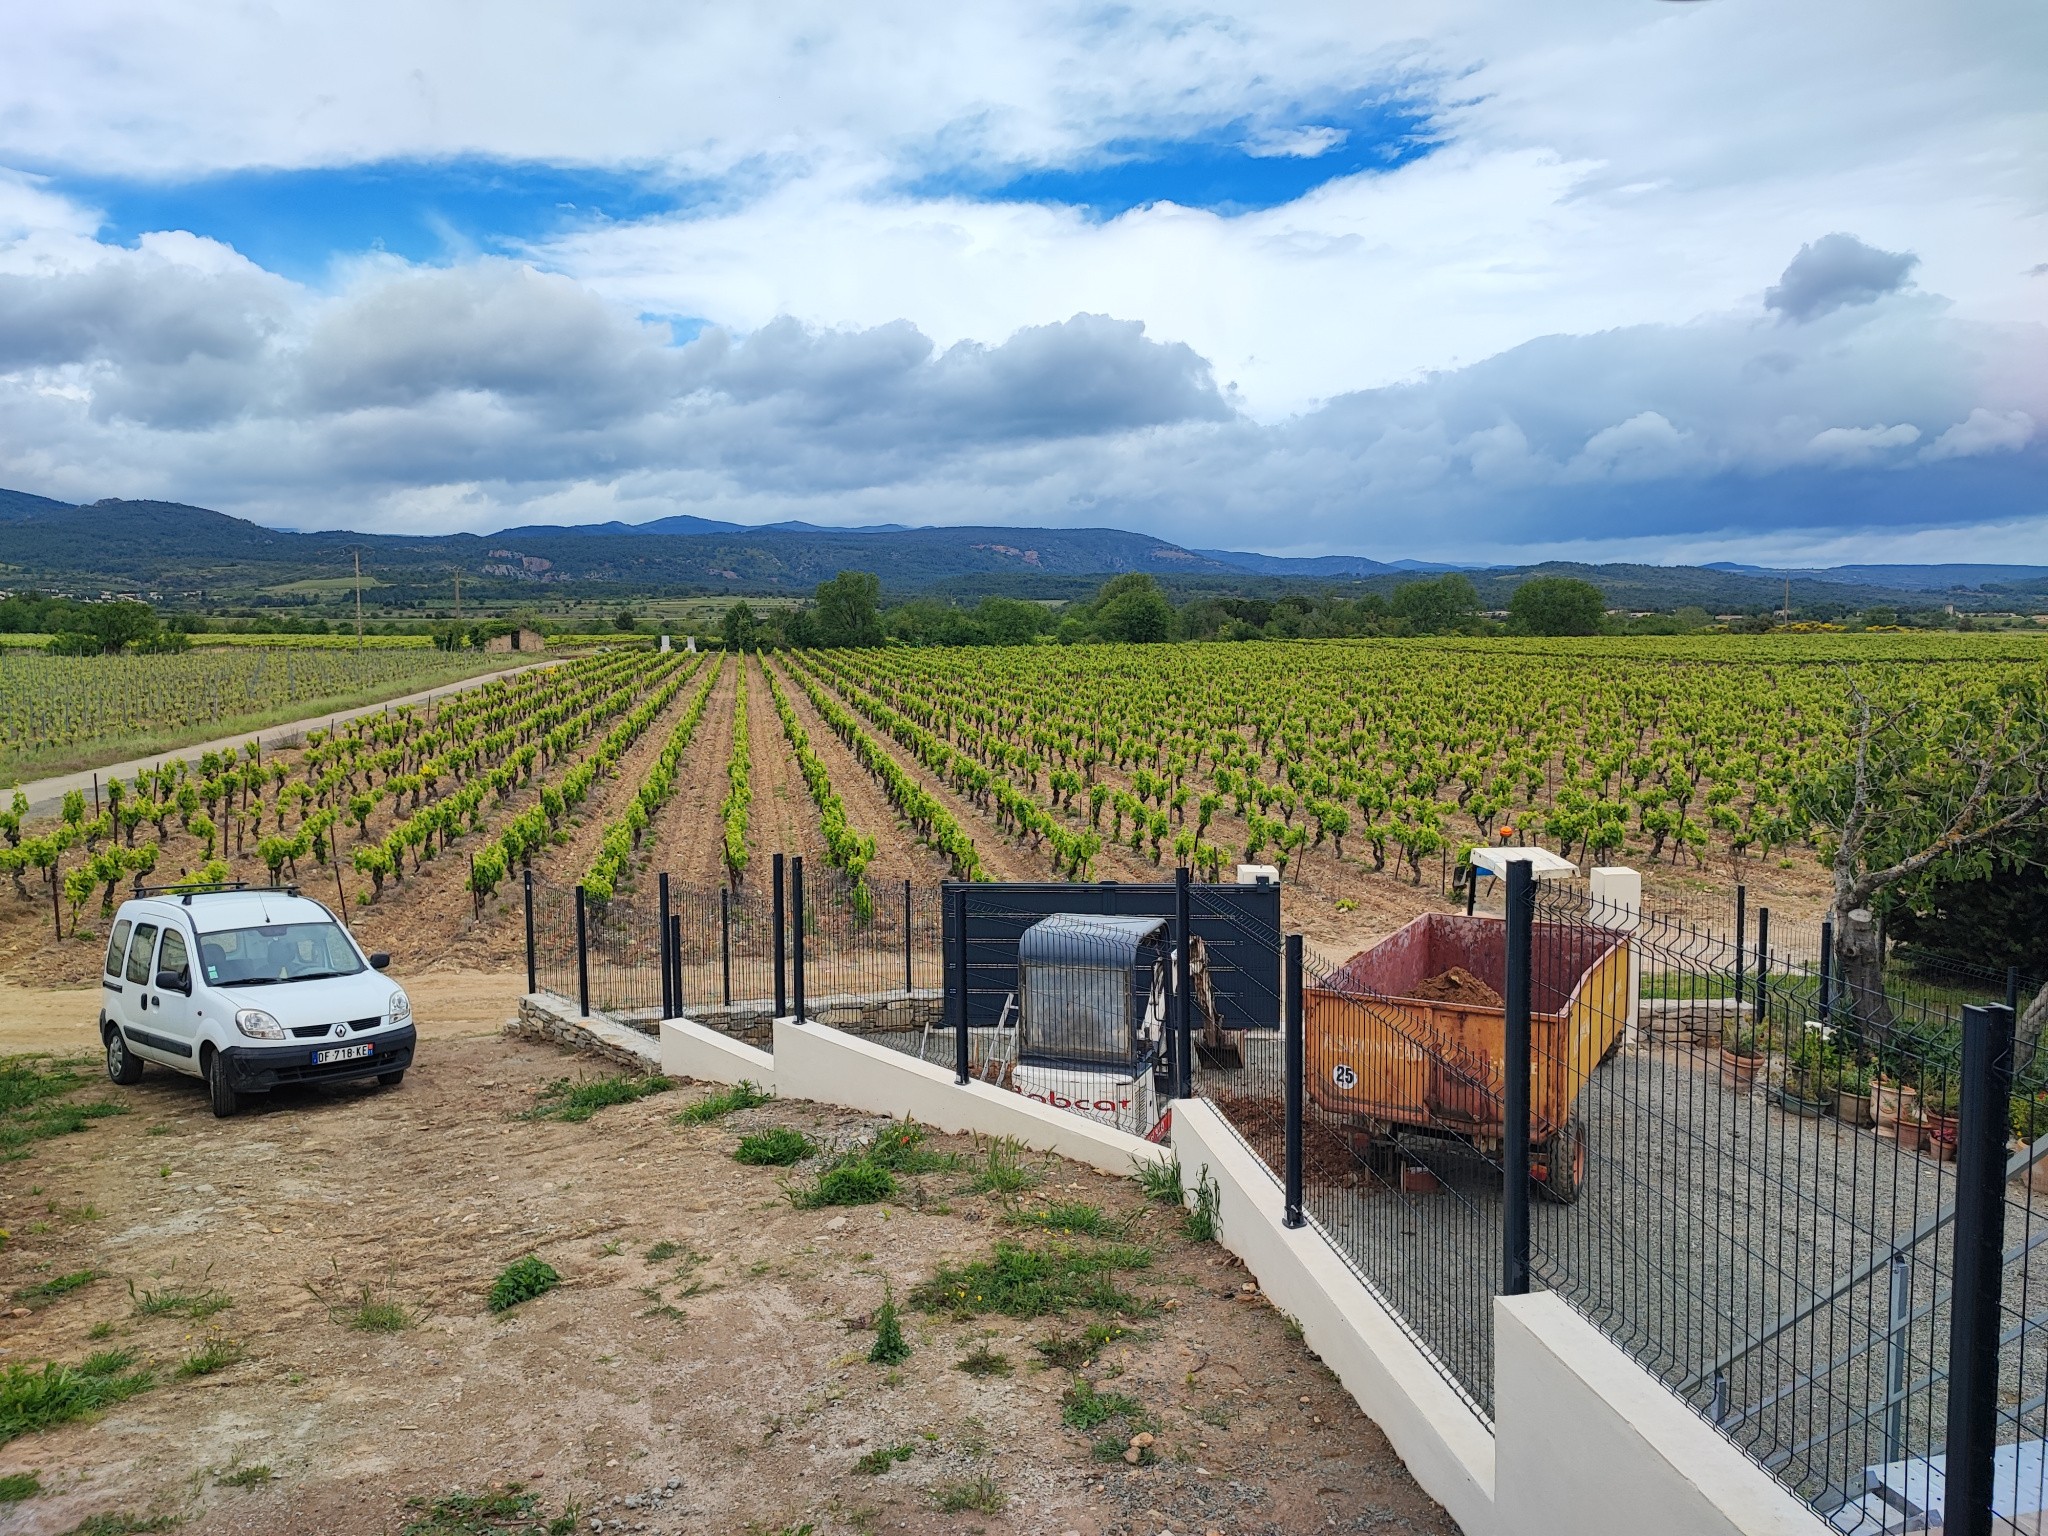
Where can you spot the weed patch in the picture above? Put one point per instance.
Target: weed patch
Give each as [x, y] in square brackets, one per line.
[246, 1477]
[371, 1313]
[850, 1181]
[662, 1250]
[1067, 1218]
[121, 1525]
[57, 1394]
[42, 1295]
[726, 1101]
[890, 1346]
[17, 1486]
[1072, 1351]
[1200, 1221]
[778, 1147]
[1035, 1282]
[522, 1280]
[901, 1149]
[507, 1511]
[30, 1090]
[978, 1494]
[1085, 1409]
[576, 1100]
[981, 1361]
[882, 1458]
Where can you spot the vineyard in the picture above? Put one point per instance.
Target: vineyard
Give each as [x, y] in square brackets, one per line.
[1361, 770]
[52, 707]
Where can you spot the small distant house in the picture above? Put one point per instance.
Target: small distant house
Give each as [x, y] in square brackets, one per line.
[517, 640]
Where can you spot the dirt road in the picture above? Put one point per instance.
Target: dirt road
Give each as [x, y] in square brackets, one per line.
[695, 1372]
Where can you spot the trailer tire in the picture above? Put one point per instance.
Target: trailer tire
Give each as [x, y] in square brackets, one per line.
[1557, 1167]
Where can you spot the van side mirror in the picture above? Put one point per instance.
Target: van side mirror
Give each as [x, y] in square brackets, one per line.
[379, 961]
[174, 981]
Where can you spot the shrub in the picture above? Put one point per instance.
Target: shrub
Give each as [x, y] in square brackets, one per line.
[890, 1346]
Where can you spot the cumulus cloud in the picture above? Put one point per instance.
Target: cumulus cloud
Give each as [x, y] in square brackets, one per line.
[1836, 270]
[1860, 445]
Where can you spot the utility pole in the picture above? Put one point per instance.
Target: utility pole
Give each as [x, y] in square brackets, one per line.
[359, 599]
[1788, 599]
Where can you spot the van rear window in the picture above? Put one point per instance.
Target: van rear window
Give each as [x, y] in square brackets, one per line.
[117, 946]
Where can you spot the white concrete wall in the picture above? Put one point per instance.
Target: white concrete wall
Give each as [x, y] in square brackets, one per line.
[1590, 1444]
[1621, 890]
[1444, 1443]
[815, 1061]
[688, 1049]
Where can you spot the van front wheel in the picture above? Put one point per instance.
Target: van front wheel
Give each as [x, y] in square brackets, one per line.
[123, 1065]
[220, 1089]
[391, 1079]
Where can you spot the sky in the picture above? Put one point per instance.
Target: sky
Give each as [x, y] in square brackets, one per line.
[1664, 280]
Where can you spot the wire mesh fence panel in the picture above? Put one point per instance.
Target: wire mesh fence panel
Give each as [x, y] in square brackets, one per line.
[623, 957]
[554, 939]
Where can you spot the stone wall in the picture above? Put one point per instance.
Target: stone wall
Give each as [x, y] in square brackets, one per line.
[554, 1019]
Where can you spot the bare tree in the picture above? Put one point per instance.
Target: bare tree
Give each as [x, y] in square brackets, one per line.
[1932, 786]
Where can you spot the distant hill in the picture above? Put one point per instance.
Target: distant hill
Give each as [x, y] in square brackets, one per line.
[174, 550]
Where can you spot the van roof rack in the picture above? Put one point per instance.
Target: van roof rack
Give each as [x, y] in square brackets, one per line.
[190, 888]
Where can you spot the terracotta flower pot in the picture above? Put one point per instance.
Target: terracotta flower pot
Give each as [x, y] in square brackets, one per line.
[1853, 1108]
[1897, 1110]
[1739, 1069]
[1938, 1136]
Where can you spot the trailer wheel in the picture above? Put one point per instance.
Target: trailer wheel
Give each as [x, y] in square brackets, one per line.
[1380, 1153]
[1557, 1167]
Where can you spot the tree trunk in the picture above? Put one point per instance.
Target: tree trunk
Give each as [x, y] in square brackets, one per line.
[1859, 977]
[2033, 1019]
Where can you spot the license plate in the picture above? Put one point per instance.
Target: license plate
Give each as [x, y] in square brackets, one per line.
[342, 1053]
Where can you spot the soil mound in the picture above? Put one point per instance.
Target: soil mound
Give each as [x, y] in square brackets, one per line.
[1457, 985]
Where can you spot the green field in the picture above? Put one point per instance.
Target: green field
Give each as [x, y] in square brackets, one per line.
[60, 713]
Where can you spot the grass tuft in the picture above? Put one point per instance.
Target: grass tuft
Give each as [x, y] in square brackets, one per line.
[662, 1250]
[371, 1313]
[1001, 1170]
[1085, 1409]
[901, 1148]
[1160, 1180]
[1200, 1222]
[522, 1280]
[576, 1100]
[777, 1147]
[726, 1101]
[1071, 1351]
[850, 1181]
[121, 1525]
[507, 1511]
[31, 1088]
[978, 1494]
[216, 1354]
[42, 1295]
[178, 1301]
[17, 1486]
[1035, 1282]
[882, 1458]
[246, 1477]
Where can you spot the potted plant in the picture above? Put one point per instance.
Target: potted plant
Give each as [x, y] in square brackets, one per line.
[1742, 1052]
[2029, 1124]
[1806, 1088]
[1853, 1097]
[1897, 1108]
[1938, 1096]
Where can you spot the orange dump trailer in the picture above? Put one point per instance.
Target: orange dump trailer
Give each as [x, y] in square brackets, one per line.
[1387, 1061]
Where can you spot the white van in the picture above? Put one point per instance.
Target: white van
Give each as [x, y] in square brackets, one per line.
[247, 989]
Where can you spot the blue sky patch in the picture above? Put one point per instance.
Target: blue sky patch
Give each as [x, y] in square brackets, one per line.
[294, 222]
[1240, 167]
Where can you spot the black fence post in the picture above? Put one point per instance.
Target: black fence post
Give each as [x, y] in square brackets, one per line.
[1827, 970]
[582, 955]
[796, 923]
[1183, 985]
[1763, 969]
[1293, 1054]
[675, 958]
[668, 1002]
[1983, 1122]
[1741, 940]
[532, 976]
[1471, 888]
[781, 947]
[1514, 1157]
[958, 917]
[909, 985]
[725, 945]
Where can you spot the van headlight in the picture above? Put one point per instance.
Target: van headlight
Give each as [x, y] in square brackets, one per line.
[257, 1024]
[401, 1009]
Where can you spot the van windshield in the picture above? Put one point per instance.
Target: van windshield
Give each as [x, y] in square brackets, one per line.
[276, 952]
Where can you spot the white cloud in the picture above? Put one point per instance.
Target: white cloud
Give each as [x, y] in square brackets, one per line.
[1295, 143]
[1982, 431]
[1860, 445]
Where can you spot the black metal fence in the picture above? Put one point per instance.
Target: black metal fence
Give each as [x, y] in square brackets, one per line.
[1790, 1197]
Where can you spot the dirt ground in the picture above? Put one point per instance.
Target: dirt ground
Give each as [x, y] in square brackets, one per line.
[723, 1387]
